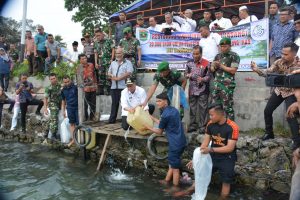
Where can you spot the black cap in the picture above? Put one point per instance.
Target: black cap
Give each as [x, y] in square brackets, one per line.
[218, 9]
[297, 18]
[75, 43]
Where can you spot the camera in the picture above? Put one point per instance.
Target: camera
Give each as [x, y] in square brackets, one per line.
[168, 31]
[283, 80]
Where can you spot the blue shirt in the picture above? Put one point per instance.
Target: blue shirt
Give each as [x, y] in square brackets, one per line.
[273, 19]
[4, 66]
[39, 41]
[25, 94]
[70, 95]
[170, 121]
[281, 35]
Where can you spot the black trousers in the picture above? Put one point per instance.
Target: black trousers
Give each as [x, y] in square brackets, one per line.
[23, 108]
[4, 81]
[272, 104]
[11, 102]
[39, 62]
[90, 100]
[125, 125]
[115, 102]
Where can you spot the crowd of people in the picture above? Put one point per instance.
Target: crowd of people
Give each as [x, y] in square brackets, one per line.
[109, 67]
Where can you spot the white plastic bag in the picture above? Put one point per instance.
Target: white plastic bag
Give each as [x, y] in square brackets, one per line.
[202, 164]
[65, 131]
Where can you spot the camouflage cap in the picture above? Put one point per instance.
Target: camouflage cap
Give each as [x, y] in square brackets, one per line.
[225, 41]
[139, 17]
[127, 30]
[163, 66]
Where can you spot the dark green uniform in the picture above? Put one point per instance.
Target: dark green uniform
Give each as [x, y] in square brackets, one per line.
[130, 48]
[104, 50]
[173, 78]
[53, 93]
[202, 23]
[14, 55]
[224, 82]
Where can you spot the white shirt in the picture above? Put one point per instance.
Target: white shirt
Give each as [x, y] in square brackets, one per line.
[172, 25]
[187, 25]
[210, 46]
[72, 55]
[156, 28]
[249, 19]
[132, 100]
[223, 23]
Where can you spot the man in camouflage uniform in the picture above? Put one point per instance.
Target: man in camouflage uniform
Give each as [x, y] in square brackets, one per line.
[224, 67]
[168, 78]
[13, 53]
[104, 54]
[52, 101]
[132, 49]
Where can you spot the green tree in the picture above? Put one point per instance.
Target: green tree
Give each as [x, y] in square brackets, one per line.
[59, 39]
[12, 29]
[94, 13]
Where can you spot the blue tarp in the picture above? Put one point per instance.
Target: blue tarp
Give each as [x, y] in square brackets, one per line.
[131, 7]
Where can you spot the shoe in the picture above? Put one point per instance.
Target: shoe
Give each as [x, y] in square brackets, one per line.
[267, 136]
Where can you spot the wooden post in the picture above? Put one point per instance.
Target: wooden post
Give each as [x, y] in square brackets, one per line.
[266, 8]
[103, 151]
[79, 80]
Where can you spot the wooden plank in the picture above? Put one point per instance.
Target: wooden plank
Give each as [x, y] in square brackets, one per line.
[107, 141]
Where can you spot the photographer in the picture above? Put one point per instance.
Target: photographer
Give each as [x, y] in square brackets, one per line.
[186, 21]
[24, 90]
[170, 26]
[280, 94]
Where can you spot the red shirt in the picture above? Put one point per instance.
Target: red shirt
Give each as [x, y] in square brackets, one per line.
[89, 78]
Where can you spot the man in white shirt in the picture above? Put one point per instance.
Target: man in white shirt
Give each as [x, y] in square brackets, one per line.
[245, 17]
[186, 21]
[72, 57]
[153, 26]
[174, 26]
[220, 23]
[131, 97]
[209, 43]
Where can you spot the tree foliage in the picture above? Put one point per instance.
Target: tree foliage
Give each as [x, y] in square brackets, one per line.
[12, 28]
[59, 39]
[94, 13]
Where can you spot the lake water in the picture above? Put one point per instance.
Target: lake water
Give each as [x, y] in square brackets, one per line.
[34, 172]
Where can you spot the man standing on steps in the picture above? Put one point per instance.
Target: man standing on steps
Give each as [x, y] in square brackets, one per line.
[24, 90]
[69, 95]
[40, 52]
[280, 94]
[119, 71]
[52, 101]
[225, 65]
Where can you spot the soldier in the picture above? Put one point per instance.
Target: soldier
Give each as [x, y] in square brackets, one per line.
[139, 23]
[225, 66]
[131, 46]
[13, 53]
[167, 78]
[52, 101]
[104, 55]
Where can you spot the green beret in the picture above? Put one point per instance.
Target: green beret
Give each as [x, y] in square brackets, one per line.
[127, 30]
[163, 66]
[225, 41]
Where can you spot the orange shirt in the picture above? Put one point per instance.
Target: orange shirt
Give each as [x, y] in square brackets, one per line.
[29, 46]
[89, 78]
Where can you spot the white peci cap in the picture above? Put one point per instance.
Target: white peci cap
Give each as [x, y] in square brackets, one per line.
[243, 8]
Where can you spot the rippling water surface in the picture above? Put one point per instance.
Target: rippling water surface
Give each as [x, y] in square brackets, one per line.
[35, 172]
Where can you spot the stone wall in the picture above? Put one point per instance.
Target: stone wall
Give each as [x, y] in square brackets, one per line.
[249, 99]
